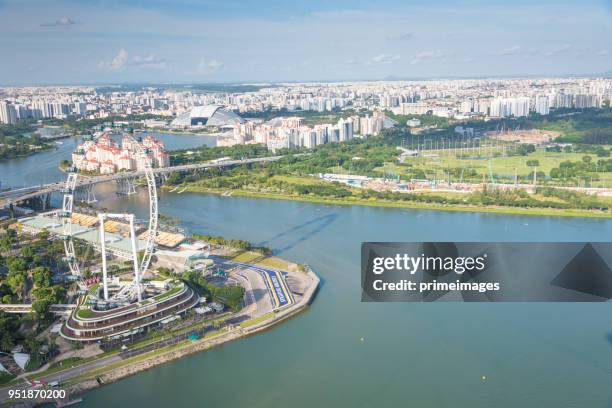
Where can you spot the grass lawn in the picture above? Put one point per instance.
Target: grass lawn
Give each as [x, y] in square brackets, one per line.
[300, 180]
[34, 363]
[500, 166]
[256, 320]
[259, 259]
[169, 293]
[84, 313]
[94, 289]
[67, 362]
[6, 377]
[372, 202]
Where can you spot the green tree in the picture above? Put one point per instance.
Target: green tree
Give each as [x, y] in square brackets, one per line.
[16, 265]
[6, 243]
[43, 235]
[41, 277]
[6, 342]
[17, 283]
[41, 308]
[27, 253]
[31, 343]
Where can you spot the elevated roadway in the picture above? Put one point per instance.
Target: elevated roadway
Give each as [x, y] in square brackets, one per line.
[22, 194]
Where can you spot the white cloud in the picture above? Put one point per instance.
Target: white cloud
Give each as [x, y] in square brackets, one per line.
[515, 49]
[150, 61]
[559, 50]
[427, 55]
[602, 53]
[62, 22]
[123, 60]
[400, 36]
[383, 59]
[118, 62]
[206, 65]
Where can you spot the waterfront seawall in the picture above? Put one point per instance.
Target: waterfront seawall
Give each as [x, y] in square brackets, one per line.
[197, 346]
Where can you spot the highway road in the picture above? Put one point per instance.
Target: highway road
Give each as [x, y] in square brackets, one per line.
[258, 303]
[18, 195]
[103, 362]
[63, 375]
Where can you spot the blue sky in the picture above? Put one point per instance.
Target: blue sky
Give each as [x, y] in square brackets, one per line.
[70, 41]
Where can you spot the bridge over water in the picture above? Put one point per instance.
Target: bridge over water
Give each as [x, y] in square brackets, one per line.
[22, 194]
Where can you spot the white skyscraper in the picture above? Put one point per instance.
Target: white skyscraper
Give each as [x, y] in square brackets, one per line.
[504, 107]
[345, 128]
[495, 107]
[348, 125]
[542, 105]
[8, 114]
[520, 107]
[309, 139]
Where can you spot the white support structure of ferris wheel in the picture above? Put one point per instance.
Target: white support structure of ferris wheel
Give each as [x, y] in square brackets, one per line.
[137, 276]
[141, 156]
[66, 216]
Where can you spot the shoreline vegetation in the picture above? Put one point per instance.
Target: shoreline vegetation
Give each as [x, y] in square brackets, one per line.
[134, 365]
[18, 141]
[116, 369]
[532, 211]
[583, 162]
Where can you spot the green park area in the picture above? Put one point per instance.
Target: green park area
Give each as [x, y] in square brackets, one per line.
[20, 140]
[584, 162]
[595, 171]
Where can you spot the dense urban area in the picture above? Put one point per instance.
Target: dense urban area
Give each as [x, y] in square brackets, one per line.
[81, 286]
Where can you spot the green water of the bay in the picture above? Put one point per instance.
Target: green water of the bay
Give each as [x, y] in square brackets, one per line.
[412, 354]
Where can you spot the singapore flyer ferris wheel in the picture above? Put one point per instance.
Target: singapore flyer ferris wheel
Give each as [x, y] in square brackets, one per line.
[140, 266]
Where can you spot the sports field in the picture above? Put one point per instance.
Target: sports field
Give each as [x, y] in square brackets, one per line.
[437, 165]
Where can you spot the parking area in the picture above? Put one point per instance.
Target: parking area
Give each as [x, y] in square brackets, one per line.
[260, 280]
[275, 284]
[257, 298]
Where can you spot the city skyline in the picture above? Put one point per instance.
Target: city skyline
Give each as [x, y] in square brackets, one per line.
[66, 42]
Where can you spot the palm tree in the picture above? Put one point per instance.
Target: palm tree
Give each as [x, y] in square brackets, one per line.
[6, 342]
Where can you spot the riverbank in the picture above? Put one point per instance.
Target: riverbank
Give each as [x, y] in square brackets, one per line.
[553, 212]
[110, 369]
[45, 147]
[128, 367]
[321, 349]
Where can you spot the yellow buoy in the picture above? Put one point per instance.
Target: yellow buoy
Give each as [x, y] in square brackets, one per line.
[484, 377]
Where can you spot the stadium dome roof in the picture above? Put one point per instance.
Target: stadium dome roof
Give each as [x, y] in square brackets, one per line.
[209, 115]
